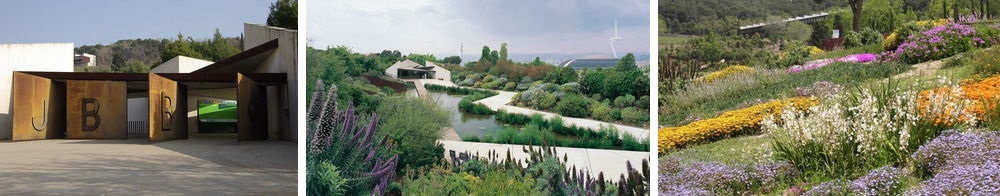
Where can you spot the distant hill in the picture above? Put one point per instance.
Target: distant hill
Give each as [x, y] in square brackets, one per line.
[147, 51]
[700, 17]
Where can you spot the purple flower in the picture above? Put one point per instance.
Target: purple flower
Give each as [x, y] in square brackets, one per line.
[881, 181]
[961, 164]
[835, 187]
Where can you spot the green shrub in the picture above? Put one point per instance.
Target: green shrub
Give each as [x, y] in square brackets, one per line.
[415, 125]
[852, 39]
[643, 102]
[625, 101]
[512, 118]
[870, 36]
[635, 116]
[324, 179]
[547, 101]
[510, 86]
[602, 112]
[573, 105]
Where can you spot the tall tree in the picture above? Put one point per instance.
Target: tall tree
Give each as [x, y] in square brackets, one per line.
[626, 63]
[285, 14]
[856, 13]
[182, 46]
[452, 60]
[220, 48]
[485, 57]
[503, 52]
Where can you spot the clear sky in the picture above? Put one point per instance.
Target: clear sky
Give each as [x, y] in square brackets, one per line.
[550, 27]
[106, 21]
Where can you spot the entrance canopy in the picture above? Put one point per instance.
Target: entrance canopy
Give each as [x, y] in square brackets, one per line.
[91, 105]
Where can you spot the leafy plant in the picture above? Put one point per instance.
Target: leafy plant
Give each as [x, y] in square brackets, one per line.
[340, 142]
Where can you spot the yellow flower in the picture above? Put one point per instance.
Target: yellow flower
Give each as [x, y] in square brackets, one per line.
[727, 124]
[725, 72]
[813, 51]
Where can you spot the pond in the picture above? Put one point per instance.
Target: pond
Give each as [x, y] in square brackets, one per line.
[466, 124]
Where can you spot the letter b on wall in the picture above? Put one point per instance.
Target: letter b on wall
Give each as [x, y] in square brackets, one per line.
[96, 109]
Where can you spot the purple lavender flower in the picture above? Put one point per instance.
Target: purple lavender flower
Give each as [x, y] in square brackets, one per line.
[961, 163]
[710, 178]
[881, 181]
[835, 187]
[962, 180]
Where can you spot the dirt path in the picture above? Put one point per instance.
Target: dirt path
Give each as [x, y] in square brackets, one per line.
[921, 68]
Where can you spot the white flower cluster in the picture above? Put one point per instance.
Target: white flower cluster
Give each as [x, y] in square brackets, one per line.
[870, 122]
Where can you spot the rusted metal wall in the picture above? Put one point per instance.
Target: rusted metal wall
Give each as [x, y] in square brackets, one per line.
[167, 109]
[96, 109]
[38, 108]
[252, 111]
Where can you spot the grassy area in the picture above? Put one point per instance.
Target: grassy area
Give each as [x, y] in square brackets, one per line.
[706, 100]
[736, 150]
[674, 39]
[214, 112]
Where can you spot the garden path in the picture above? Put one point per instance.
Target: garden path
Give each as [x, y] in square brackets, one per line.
[921, 68]
[500, 101]
[610, 162]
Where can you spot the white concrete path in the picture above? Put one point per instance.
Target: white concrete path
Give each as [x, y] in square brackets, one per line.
[499, 102]
[610, 162]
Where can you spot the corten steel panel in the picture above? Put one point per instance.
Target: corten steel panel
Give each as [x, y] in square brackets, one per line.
[96, 109]
[38, 108]
[167, 109]
[252, 109]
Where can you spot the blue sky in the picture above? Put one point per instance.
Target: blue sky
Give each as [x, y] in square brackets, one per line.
[550, 28]
[106, 21]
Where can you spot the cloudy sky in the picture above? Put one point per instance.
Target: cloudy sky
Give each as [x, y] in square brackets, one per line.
[106, 21]
[554, 28]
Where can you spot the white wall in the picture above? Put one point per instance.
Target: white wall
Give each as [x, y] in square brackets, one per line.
[180, 64]
[283, 60]
[55, 57]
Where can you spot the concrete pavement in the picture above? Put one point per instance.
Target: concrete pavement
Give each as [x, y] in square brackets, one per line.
[499, 102]
[611, 162]
[202, 165]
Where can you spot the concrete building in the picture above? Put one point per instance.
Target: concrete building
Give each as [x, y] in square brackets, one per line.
[84, 60]
[412, 70]
[180, 64]
[592, 64]
[28, 57]
[46, 103]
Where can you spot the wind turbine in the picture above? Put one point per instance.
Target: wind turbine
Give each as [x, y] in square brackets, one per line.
[613, 39]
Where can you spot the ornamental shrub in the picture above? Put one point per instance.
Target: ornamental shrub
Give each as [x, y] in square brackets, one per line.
[602, 112]
[852, 39]
[870, 36]
[573, 105]
[635, 116]
[625, 101]
[546, 102]
[509, 86]
[937, 43]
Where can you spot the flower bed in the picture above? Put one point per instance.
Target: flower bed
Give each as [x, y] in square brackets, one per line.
[937, 43]
[726, 124]
[854, 58]
[964, 103]
[725, 72]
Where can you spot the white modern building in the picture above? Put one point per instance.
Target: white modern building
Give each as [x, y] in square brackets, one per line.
[84, 60]
[408, 69]
[53, 57]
